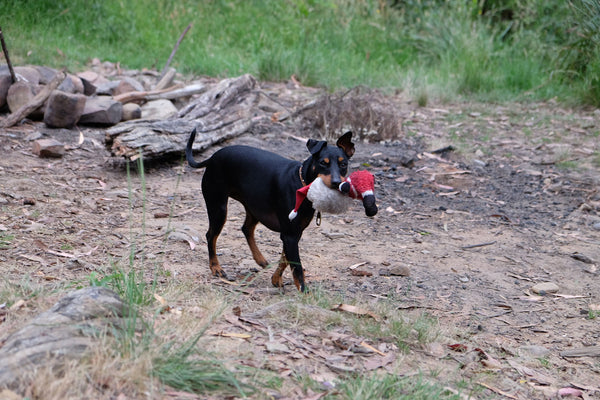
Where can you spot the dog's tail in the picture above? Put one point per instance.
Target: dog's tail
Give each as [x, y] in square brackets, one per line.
[188, 152]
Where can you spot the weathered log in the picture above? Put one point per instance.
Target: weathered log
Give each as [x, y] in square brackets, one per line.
[35, 103]
[65, 332]
[224, 110]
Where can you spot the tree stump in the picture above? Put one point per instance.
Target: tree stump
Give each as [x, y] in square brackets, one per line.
[64, 332]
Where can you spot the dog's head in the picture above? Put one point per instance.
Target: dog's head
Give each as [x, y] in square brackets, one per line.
[330, 163]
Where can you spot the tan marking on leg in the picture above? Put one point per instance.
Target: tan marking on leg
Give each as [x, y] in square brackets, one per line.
[215, 266]
[277, 279]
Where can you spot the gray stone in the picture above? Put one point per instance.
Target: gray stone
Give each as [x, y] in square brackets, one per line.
[63, 110]
[158, 109]
[101, 110]
[28, 74]
[131, 111]
[400, 270]
[48, 148]
[545, 287]
[533, 351]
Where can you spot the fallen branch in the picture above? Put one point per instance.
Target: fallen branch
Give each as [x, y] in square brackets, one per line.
[174, 92]
[35, 103]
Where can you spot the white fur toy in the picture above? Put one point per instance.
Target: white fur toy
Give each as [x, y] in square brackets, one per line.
[323, 198]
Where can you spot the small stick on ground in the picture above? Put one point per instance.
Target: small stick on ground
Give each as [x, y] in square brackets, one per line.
[164, 71]
[472, 246]
[5, 51]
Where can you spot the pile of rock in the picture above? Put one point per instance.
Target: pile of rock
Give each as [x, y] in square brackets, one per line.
[102, 96]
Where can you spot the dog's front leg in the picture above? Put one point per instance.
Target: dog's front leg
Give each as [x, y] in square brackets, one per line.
[292, 255]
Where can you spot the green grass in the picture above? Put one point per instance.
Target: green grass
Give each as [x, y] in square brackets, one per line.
[432, 49]
[372, 386]
[5, 239]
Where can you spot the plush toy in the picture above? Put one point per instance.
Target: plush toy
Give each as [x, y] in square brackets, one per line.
[359, 185]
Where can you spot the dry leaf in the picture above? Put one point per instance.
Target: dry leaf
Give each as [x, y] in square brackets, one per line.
[355, 310]
[17, 305]
[160, 299]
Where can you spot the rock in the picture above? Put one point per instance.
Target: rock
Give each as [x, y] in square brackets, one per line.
[63, 110]
[131, 111]
[596, 226]
[127, 85]
[71, 84]
[545, 287]
[400, 270]
[101, 110]
[48, 148]
[93, 77]
[64, 332]
[21, 93]
[5, 83]
[89, 89]
[28, 74]
[533, 351]
[106, 88]
[46, 74]
[582, 257]
[158, 109]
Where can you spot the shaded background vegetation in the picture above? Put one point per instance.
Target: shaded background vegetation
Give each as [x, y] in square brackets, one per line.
[494, 50]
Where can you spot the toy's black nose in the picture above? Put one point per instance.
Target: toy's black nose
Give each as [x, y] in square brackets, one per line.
[370, 205]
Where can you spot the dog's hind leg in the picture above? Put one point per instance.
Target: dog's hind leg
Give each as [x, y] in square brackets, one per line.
[216, 207]
[248, 230]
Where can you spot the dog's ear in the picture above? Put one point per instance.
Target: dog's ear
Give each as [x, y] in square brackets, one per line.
[315, 146]
[345, 142]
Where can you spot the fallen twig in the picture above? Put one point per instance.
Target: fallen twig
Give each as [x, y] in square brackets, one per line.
[497, 391]
[473, 246]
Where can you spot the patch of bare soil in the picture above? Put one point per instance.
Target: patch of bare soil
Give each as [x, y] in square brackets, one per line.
[514, 204]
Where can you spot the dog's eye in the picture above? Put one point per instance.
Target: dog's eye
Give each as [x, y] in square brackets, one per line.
[324, 163]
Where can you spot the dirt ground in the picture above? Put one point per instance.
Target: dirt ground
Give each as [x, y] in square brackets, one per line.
[514, 204]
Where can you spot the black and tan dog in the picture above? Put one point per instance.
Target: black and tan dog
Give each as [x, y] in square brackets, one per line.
[266, 183]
